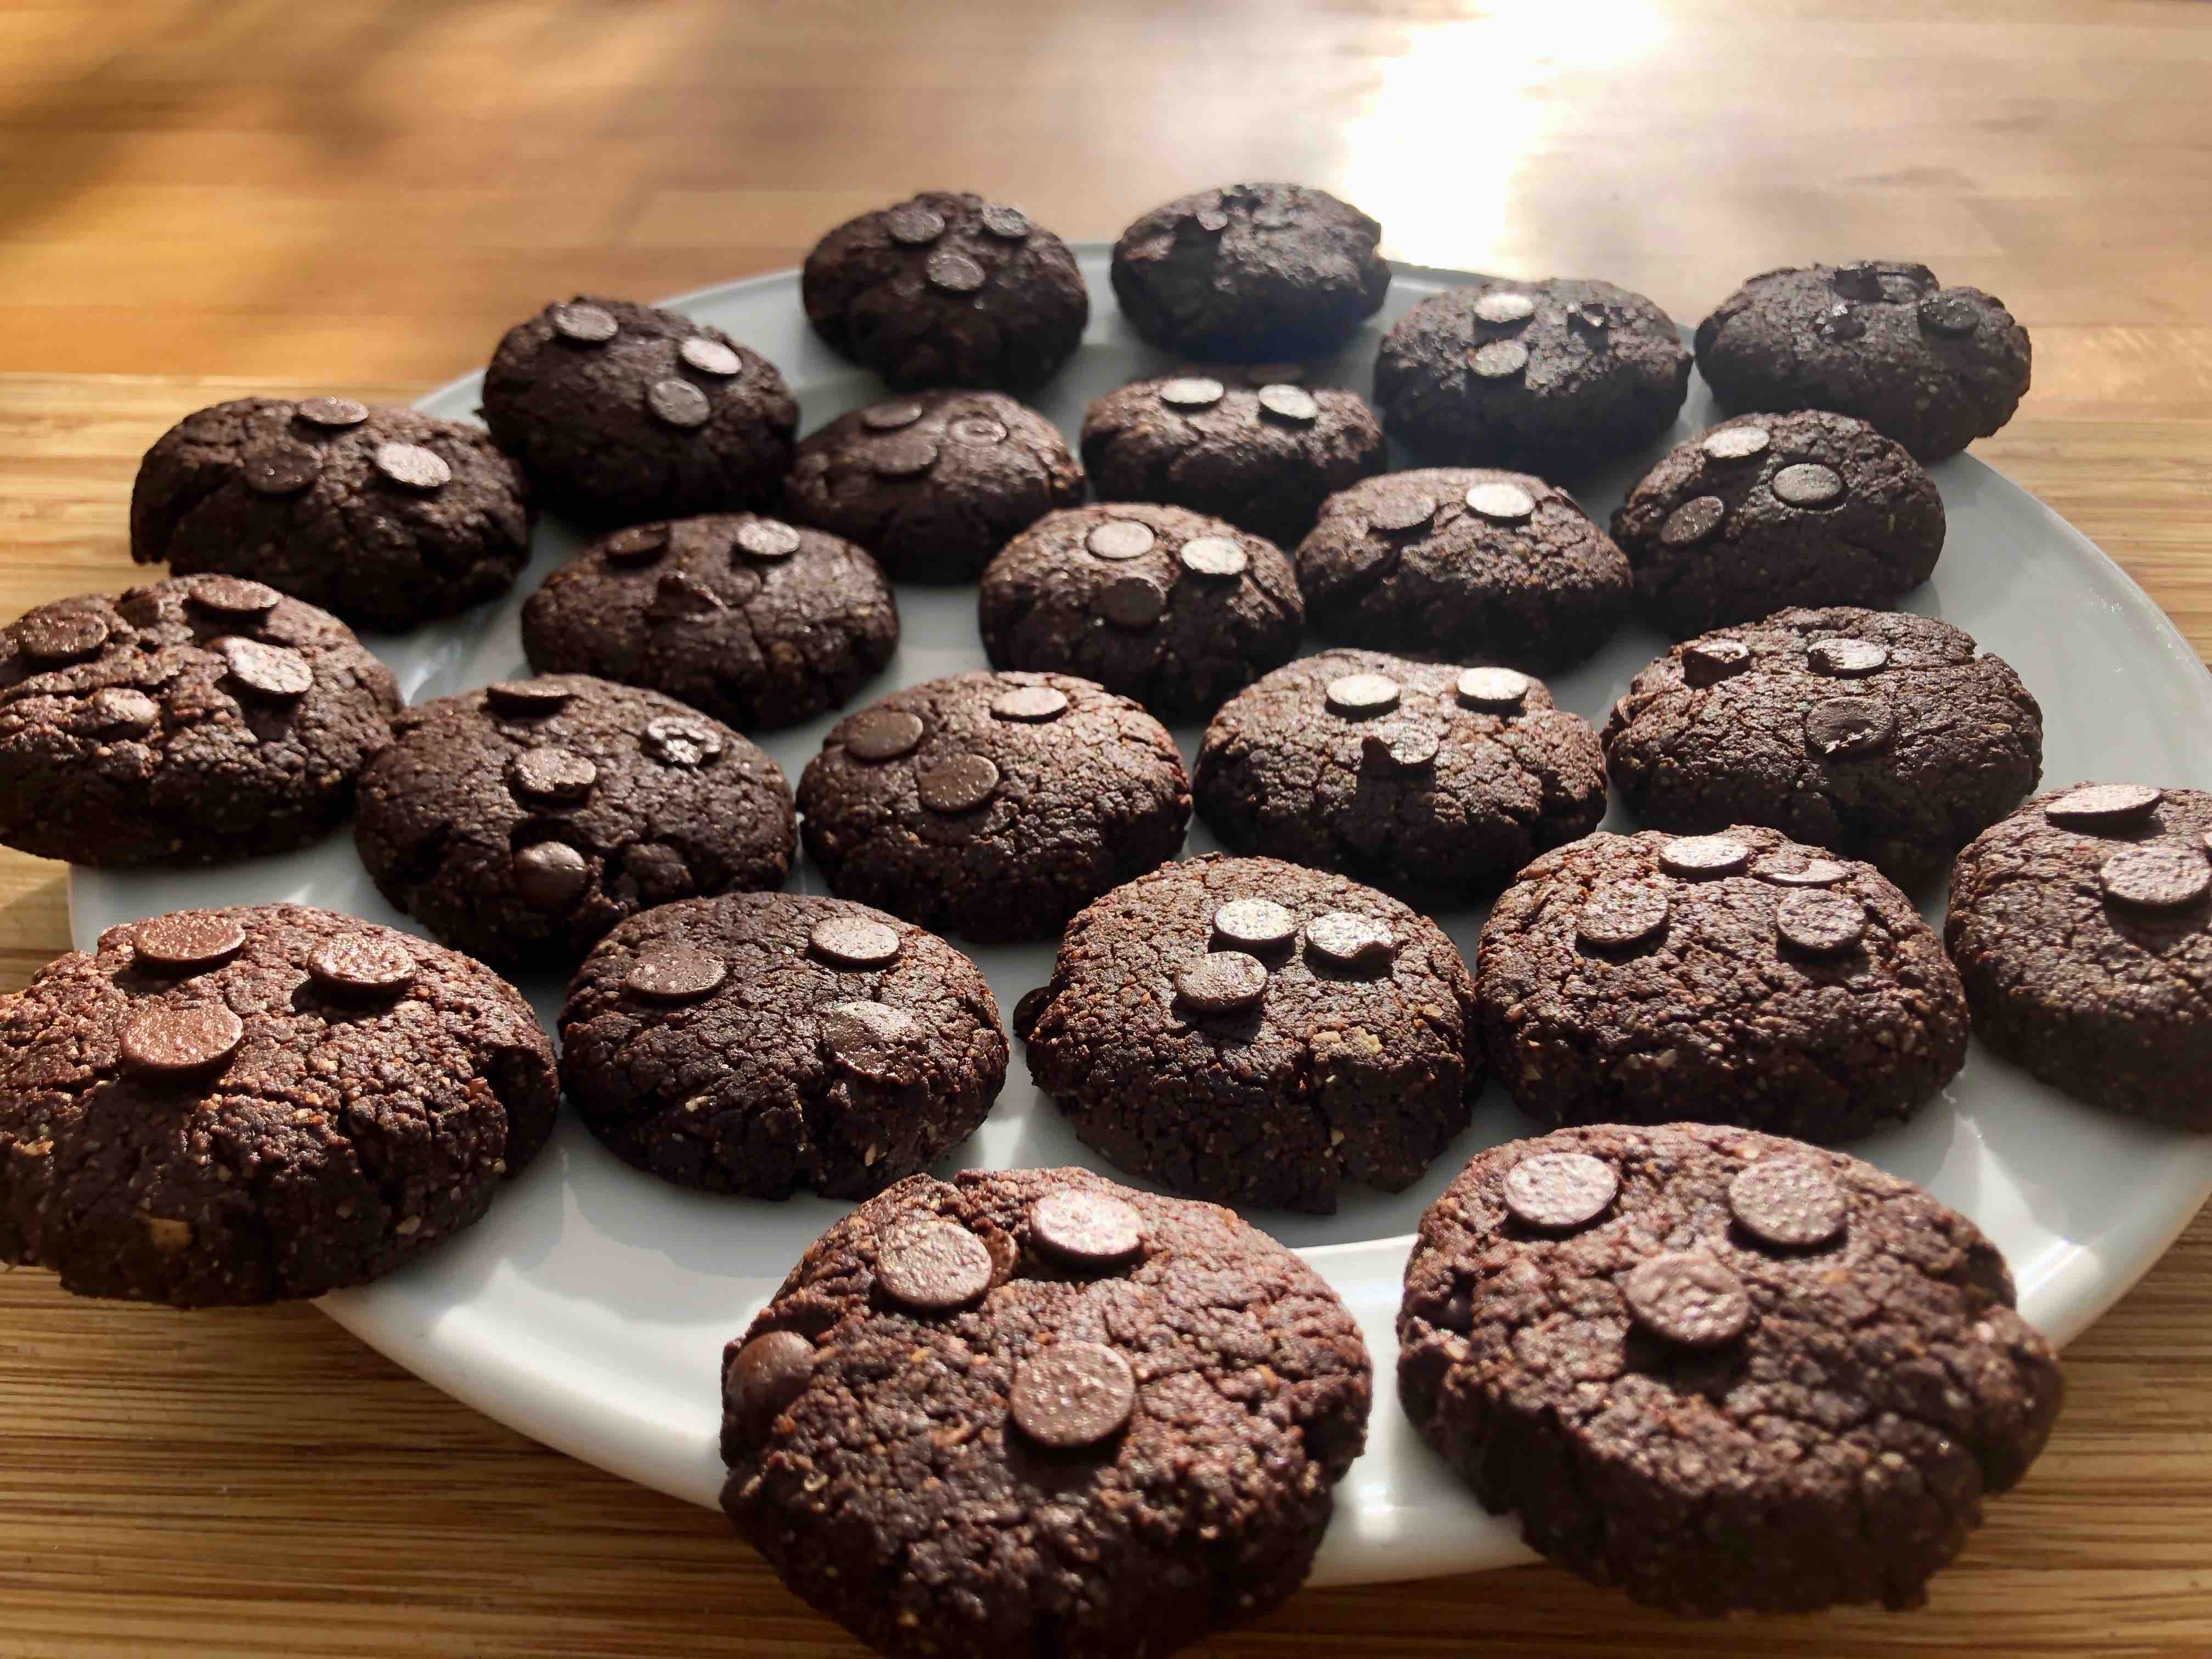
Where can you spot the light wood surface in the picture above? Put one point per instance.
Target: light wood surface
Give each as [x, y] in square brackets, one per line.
[205, 196]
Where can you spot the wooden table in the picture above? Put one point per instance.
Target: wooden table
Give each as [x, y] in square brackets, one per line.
[360, 198]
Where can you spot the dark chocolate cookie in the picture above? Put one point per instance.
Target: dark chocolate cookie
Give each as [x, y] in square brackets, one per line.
[1887, 737]
[750, 620]
[1554, 377]
[1264, 457]
[947, 289]
[933, 483]
[1162, 605]
[521, 821]
[1254, 1032]
[1934, 368]
[1456, 562]
[188, 722]
[257, 1104]
[2083, 927]
[765, 1043]
[1425, 780]
[385, 517]
[1030, 1414]
[1737, 978]
[620, 412]
[1721, 1369]
[1772, 510]
[1250, 270]
[992, 806]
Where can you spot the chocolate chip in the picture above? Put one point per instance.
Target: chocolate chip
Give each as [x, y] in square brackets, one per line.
[2160, 875]
[1400, 510]
[1402, 745]
[1819, 923]
[641, 544]
[1708, 662]
[162, 1043]
[1501, 503]
[1500, 306]
[584, 323]
[680, 741]
[118, 707]
[1794, 870]
[1687, 1297]
[1073, 1395]
[1694, 856]
[1031, 704]
[335, 413]
[977, 431]
[1213, 556]
[1222, 981]
[1860, 280]
[709, 356]
[1588, 319]
[913, 225]
[1493, 690]
[1090, 1229]
[1010, 223]
[1849, 728]
[1357, 697]
[526, 697]
[1346, 940]
[362, 964]
[186, 941]
[1735, 443]
[882, 734]
[1499, 359]
[275, 672]
[681, 594]
[1842, 321]
[1560, 1192]
[1619, 914]
[853, 941]
[1211, 220]
[933, 1267]
[1846, 659]
[1120, 538]
[412, 466]
[1290, 402]
[1952, 314]
[1787, 1202]
[1692, 522]
[232, 596]
[1254, 925]
[549, 875]
[2105, 806]
[280, 469]
[552, 773]
[1192, 392]
[54, 637]
[1132, 601]
[675, 973]
[678, 402]
[1809, 484]
[906, 456]
[767, 1375]
[765, 538]
[889, 417]
[953, 272]
[958, 783]
[870, 1039]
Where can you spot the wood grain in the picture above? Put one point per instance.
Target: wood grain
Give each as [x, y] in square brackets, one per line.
[359, 197]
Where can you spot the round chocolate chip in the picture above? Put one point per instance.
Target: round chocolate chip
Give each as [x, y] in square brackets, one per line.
[162, 1042]
[1254, 925]
[767, 1375]
[1787, 1202]
[1293, 404]
[1560, 1192]
[889, 417]
[908, 456]
[1693, 521]
[1211, 220]
[1819, 923]
[1499, 359]
[1191, 391]
[870, 1039]
[913, 225]
[1396, 511]
[882, 734]
[709, 356]
[1809, 484]
[958, 783]
[1401, 745]
[1846, 659]
[1501, 503]
[678, 403]
[335, 413]
[275, 672]
[1120, 538]
[362, 964]
[1009, 223]
[1501, 306]
[675, 973]
[765, 538]
[1073, 1395]
[526, 697]
[1842, 321]
[280, 469]
[232, 596]
[1357, 697]
[584, 323]
[1695, 856]
[1687, 1297]
[854, 942]
[641, 544]
[1708, 662]
[1132, 601]
[550, 875]
[1222, 982]
[977, 431]
[953, 272]
[1090, 1229]
[186, 941]
[412, 467]
[54, 637]
[2160, 875]
[1951, 314]
[1359, 943]
[2104, 806]
[1735, 443]
[680, 741]
[1859, 280]
[1849, 728]
[1796, 870]
[552, 773]
[1031, 704]
[1619, 914]
[1493, 690]
[118, 707]
[1213, 556]
[933, 1267]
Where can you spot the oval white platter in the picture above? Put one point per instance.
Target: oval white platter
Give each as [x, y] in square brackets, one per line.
[590, 1306]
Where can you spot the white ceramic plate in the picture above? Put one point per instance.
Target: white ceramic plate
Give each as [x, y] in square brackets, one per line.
[589, 1308]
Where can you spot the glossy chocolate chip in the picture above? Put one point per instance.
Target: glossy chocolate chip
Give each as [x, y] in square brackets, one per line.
[1809, 484]
[882, 734]
[679, 403]
[1693, 521]
[766, 1377]
[641, 544]
[1008, 224]
[186, 941]
[1357, 697]
[765, 538]
[1120, 538]
[908, 456]
[913, 225]
[1849, 728]
[854, 942]
[584, 325]
[932, 1266]
[1859, 280]
[957, 783]
[1222, 981]
[1842, 321]
[1819, 923]
[953, 272]
[232, 596]
[1708, 662]
[1032, 705]
[1254, 925]
[681, 594]
[1499, 359]
[680, 741]
[1787, 1202]
[362, 964]
[1345, 940]
[1735, 443]
[1211, 220]
[1493, 690]
[709, 356]
[276, 673]
[1290, 402]
[870, 1039]
[1560, 1192]
[2160, 875]
[675, 973]
[1950, 314]
[1213, 557]
[550, 875]
[1796, 870]
[334, 413]
[1588, 320]
[1501, 503]
[1401, 745]
[1132, 601]
[526, 697]
[1087, 1228]
[118, 707]
[412, 467]
[1072, 1396]
[1694, 856]
[1500, 307]
[977, 431]
[280, 469]
[1397, 511]
[551, 773]
[52, 638]
[1619, 914]
[1688, 1298]
[2104, 806]
[1846, 659]
[161, 1043]
[889, 417]
[1191, 391]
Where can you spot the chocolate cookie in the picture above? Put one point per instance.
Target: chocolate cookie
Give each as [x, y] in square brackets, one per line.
[521, 821]
[1168, 606]
[1934, 368]
[1552, 377]
[189, 721]
[1250, 271]
[1720, 1369]
[933, 484]
[765, 1043]
[1461, 562]
[620, 412]
[221, 1107]
[1887, 737]
[1423, 780]
[748, 619]
[1772, 510]
[1264, 457]
[1250, 1031]
[385, 517]
[992, 806]
[947, 289]
[1030, 1414]
[2083, 927]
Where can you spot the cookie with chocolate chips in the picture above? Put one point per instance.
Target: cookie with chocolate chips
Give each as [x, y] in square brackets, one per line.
[385, 517]
[1721, 1369]
[520, 821]
[1257, 1033]
[1160, 603]
[934, 482]
[1426, 780]
[188, 722]
[947, 289]
[2083, 927]
[755, 622]
[767, 1043]
[1263, 457]
[1029, 1413]
[620, 412]
[1458, 561]
[225, 1107]
[1250, 272]
[1736, 978]
[1766, 511]
[1881, 735]
[992, 806]
[1934, 368]
[1554, 377]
